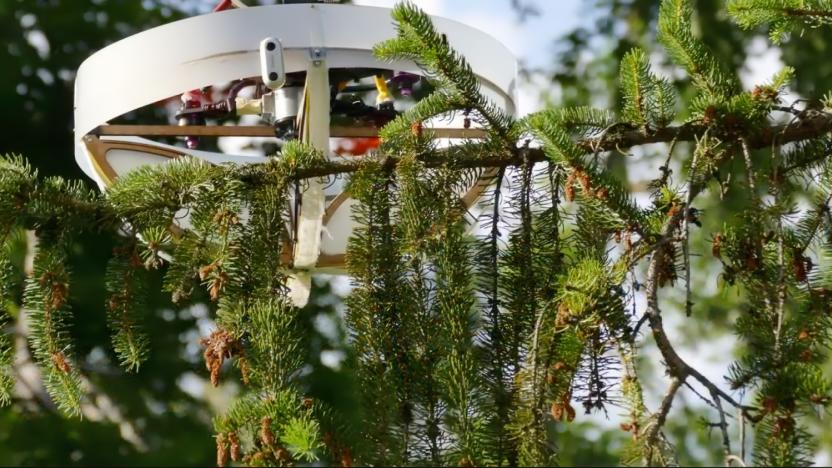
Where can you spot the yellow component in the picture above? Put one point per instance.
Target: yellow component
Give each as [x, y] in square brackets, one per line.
[383, 91]
[247, 106]
[96, 164]
[100, 171]
[342, 85]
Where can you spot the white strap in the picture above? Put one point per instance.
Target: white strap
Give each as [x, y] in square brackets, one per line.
[299, 284]
[313, 124]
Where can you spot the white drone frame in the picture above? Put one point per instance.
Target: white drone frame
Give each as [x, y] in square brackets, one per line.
[193, 53]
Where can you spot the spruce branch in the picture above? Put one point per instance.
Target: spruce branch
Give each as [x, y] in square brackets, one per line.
[46, 301]
[648, 100]
[125, 282]
[418, 40]
[428, 368]
[783, 16]
[6, 343]
[675, 34]
[812, 126]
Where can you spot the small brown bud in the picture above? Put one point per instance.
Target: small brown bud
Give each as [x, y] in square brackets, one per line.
[283, 455]
[222, 450]
[563, 410]
[346, 458]
[60, 361]
[783, 426]
[716, 245]
[217, 285]
[556, 411]
[235, 446]
[244, 370]
[266, 434]
[799, 268]
[206, 270]
[583, 179]
[709, 115]
[628, 240]
[770, 404]
[416, 128]
[570, 413]
[569, 188]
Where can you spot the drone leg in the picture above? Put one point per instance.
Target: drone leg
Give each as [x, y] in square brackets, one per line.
[313, 125]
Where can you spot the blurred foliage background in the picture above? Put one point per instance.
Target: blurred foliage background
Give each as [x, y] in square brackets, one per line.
[161, 416]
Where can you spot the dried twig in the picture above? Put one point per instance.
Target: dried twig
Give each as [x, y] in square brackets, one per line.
[723, 426]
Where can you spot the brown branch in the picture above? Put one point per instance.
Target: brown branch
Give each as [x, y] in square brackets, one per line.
[803, 13]
[664, 409]
[723, 427]
[676, 366]
[812, 125]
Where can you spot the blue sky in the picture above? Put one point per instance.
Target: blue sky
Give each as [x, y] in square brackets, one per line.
[531, 41]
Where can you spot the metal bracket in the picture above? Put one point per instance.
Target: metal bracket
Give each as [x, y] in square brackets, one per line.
[317, 55]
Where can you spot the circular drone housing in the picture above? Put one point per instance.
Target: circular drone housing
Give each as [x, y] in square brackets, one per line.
[175, 63]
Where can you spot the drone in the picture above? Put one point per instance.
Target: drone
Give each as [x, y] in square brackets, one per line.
[302, 71]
